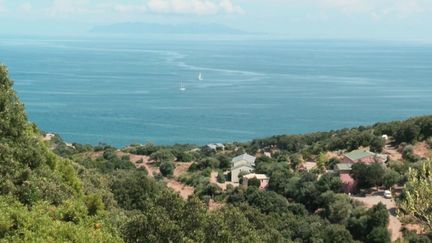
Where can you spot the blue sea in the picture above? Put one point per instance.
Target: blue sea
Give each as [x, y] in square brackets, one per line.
[124, 90]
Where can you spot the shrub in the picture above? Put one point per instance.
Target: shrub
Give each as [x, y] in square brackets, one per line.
[167, 168]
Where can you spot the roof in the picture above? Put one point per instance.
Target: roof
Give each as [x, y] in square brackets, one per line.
[212, 146]
[215, 145]
[246, 157]
[343, 167]
[358, 154]
[258, 176]
[236, 166]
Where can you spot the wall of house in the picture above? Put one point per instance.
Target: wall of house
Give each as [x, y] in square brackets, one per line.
[236, 172]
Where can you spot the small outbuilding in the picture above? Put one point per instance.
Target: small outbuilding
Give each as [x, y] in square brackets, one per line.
[215, 146]
[264, 179]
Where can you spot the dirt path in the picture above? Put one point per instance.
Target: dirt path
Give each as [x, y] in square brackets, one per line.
[395, 225]
[422, 149]
[181, 168]
[392, 153]
[140, 161]
[184, 190]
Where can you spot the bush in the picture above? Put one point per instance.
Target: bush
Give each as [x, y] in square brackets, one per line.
[254, 182]
[167, 168]
[408, 154]
[220, 177]
[163, 155]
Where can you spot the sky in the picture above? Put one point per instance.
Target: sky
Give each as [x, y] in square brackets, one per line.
[365, 19]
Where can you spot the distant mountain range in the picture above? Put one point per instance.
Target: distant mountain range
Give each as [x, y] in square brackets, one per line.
[150, 28]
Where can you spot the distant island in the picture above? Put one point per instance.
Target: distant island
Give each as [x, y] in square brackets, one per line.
[154, 28]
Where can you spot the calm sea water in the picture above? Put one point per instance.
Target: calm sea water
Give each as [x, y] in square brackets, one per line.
[127, 91]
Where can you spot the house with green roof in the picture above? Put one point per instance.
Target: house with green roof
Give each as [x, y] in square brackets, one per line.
[363, 156]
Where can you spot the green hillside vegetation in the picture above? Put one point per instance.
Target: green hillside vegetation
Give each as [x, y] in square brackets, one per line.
[54, 192]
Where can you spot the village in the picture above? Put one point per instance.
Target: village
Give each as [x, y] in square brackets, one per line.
[242, 172]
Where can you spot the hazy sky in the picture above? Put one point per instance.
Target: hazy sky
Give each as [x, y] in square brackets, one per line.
[369, 19]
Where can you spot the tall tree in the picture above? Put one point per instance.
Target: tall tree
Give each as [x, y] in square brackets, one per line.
[418, 193]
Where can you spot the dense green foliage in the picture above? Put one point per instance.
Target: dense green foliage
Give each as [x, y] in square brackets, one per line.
[42, 198]
[418, 193]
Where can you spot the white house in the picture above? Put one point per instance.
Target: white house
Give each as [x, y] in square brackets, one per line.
[243, 163]
[216, 146]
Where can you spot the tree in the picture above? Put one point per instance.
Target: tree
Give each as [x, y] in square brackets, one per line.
[368, 175]
[220, 177]
[337, 234]
[295, 161]
[418, 193]
[408, 154]
[391, 178]
[162, 155]
[379, 235]
[376, 144]
[322, 162]
[378, 216]
[407, 132]
[254, 182]
[167, 168]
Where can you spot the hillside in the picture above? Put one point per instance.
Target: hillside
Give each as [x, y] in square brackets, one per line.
[52, 191]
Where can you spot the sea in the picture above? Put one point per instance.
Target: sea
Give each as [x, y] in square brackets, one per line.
[124, 91]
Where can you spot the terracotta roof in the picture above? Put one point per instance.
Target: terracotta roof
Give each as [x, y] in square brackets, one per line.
[258, 176]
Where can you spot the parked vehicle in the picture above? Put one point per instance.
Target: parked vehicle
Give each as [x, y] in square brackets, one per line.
[387, 194]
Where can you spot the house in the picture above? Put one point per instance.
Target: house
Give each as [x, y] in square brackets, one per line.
[344, 170]
[363, 156]
[356, 156]
[49, 136]
[264, 179]
[242, 163]
[215, 146]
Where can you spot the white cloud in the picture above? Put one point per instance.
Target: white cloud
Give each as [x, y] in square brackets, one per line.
[349, 6]
[199, 7]
[229, 7]
[160, 6]
[129, 8]
[25, 7]
[2, 6]
[405, 8]
[378, 9]
[66, 8]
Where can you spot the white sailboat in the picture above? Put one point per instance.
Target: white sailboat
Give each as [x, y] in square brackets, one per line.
[200, 77]
[182, 88]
